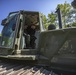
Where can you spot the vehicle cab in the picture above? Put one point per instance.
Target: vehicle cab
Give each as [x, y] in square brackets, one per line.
[13, 38]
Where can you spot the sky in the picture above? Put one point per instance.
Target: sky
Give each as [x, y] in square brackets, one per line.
[43, 6]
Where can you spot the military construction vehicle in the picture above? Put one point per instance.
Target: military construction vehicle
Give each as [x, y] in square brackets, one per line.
[53, 48]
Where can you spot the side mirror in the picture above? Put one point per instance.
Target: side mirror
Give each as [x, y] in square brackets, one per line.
[4, 22]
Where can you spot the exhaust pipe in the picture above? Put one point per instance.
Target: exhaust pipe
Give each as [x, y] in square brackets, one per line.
[59, 18]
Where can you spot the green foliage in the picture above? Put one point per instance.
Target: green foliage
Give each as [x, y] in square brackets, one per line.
[74, 24]
[0, 35]
[44, 19]
[46, 25]
[65, 9]
[52, 17]
[68, 16]
[0, 38]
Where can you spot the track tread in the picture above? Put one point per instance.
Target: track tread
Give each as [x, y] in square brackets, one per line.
[21, 69]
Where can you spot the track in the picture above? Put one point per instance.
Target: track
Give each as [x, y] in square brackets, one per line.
[20, 69]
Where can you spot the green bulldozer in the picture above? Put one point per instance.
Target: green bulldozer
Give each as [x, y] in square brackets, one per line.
[54, 48]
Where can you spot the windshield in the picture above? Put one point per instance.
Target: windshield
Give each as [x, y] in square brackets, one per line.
[11, 15]
[8, 32]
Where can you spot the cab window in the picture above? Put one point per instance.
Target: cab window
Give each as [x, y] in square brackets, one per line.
[8, 32]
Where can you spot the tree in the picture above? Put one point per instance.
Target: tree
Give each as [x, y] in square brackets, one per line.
[44, 20]
[74, 24]
[0, 35]
[65, 9]
[68, 16]
[52, 18]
